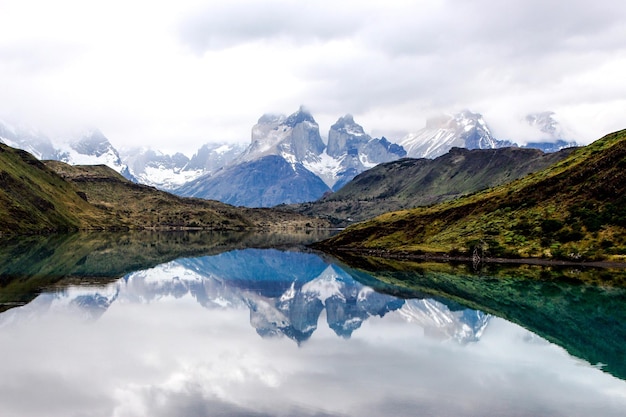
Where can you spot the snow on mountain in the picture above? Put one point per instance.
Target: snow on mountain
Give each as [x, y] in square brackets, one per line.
[327, 285]
[463, 130]
[168, 172]
[350, 151]
[89, 148]
[157, 169]
[271, 170]
[550, 135]
[28, 139]
[93, 148]
[439, 321]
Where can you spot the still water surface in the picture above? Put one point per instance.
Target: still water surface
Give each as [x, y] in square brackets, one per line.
[278, 332]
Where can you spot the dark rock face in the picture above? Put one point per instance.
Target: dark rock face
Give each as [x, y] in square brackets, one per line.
[264, 182]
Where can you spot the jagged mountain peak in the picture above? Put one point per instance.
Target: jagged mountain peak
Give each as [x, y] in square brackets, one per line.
[465, 129]
[271, 118]
[93, 142]
[296, 137]
[301, 116]
[347, 124]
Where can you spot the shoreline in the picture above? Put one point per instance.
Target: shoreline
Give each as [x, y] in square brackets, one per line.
[409, 256]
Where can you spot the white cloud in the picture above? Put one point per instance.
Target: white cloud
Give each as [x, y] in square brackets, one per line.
[176, 75]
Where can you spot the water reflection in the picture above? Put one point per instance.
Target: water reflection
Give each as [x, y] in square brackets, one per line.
[29, 264]
[285, 293]
[260, 332]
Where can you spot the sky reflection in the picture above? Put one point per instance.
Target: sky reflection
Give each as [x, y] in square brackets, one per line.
[161, 347]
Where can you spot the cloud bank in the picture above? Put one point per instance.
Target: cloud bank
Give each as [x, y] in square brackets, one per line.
[179, 75]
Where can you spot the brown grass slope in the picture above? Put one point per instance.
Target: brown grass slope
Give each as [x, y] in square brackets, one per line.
[143, 207]
[575, 209]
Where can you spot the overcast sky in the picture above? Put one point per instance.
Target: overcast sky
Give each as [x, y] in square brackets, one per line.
[182, 73]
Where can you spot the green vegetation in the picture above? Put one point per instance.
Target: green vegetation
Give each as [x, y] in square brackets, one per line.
[33, 199]
[409, 183]
[573, 210]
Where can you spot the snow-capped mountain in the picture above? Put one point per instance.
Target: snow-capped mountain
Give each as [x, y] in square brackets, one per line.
[157, 169]
[271, 170]
[167, 172]
[296, 138]
[88, 148]
[93, 148]
[351, 151]
[462, 130]
[283, 300]
[287, 162]
[550, 134]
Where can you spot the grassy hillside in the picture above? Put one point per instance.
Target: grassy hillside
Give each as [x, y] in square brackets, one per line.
[141, 206]
[33, 199]
[51, 196]
[575, 209]
[409, 183]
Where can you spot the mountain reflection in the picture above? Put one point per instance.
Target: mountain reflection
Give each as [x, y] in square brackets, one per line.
[286, 293]
[268, 332]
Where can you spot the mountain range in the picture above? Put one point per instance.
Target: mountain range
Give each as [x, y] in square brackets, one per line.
[575, 210]
[408, 183]
[286, 160]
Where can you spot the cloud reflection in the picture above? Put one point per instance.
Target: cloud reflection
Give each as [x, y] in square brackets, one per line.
[178, 341]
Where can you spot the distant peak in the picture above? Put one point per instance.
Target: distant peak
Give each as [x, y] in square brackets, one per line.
[545, 122]
[467, 114]
[302, 115]
[347, 124]
[271, 118]
[348, 119]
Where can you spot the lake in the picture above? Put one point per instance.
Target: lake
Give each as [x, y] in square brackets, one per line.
[198, 324]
